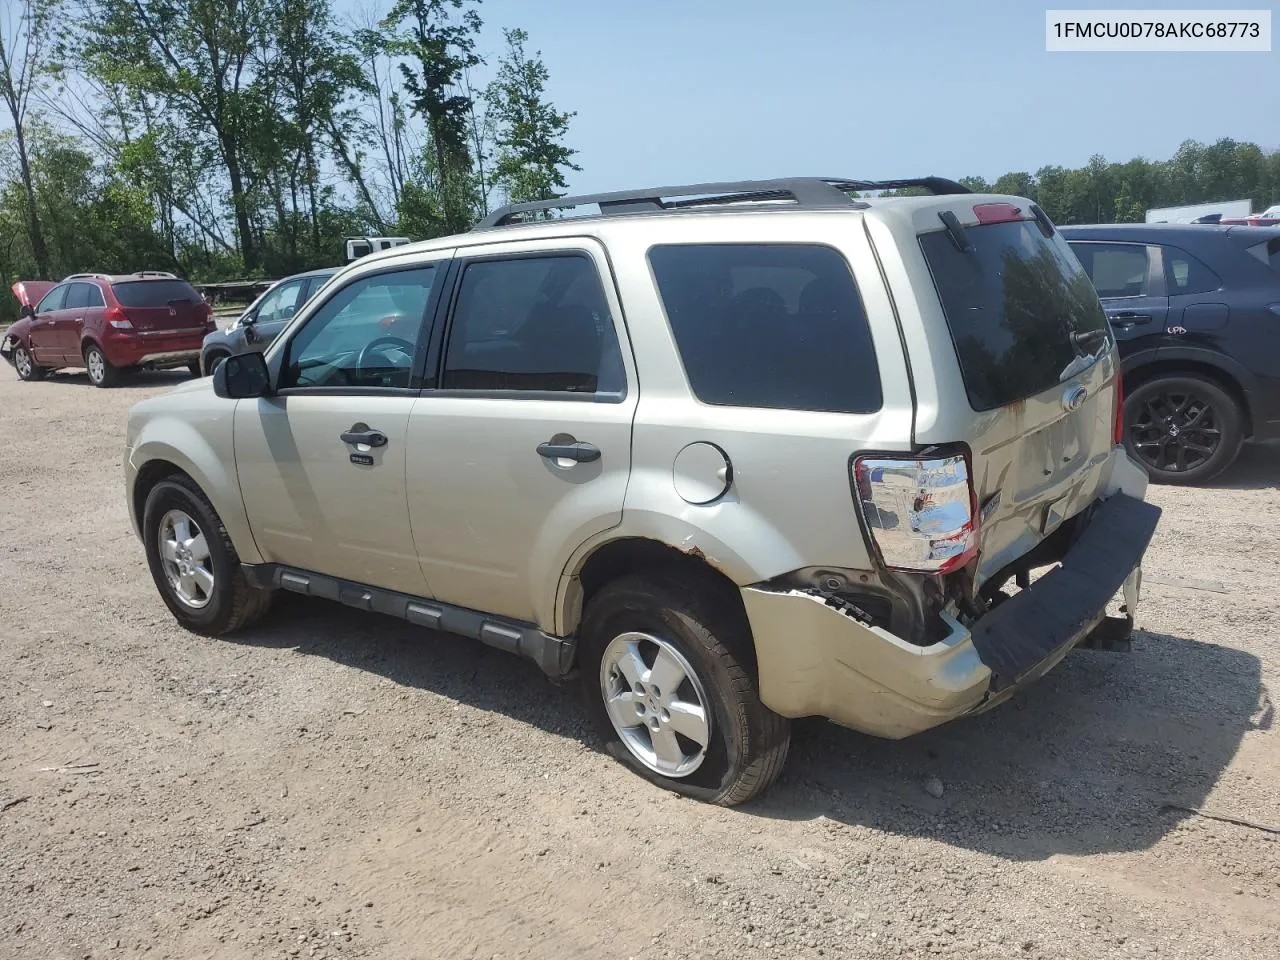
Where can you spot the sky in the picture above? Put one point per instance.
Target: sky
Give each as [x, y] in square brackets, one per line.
[673, 92]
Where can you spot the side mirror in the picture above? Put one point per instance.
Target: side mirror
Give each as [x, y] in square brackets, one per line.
[27, 311]
[241, 377]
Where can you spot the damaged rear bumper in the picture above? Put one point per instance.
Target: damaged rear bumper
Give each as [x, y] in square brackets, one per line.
[817, 660]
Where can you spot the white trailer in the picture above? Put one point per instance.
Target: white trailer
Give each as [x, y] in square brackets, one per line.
[358, 247]
[1188, 214]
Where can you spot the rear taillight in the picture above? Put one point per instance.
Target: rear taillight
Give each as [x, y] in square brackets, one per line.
[1117, 419]
[922, 512]
[117, 318]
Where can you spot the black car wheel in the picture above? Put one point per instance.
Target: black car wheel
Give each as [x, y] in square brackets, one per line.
[211, 361]
[1183, 428]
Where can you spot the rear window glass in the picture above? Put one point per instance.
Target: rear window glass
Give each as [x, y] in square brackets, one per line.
[1268, 253]
[1023, 314]
[769, 325]
[153, 293]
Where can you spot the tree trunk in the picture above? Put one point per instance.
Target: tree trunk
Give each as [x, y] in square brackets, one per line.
[313, 176]
[38, 248]
[248, 248]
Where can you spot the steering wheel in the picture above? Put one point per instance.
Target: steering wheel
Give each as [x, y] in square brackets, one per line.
[379, 343]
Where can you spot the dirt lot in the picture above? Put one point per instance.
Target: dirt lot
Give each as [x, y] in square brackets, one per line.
[340, 785]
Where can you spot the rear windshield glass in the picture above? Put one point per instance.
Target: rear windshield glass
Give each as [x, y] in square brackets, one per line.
[769, 325]
[153, 293]
[1023, 314]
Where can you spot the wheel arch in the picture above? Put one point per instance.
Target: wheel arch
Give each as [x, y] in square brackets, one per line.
[628, 555]
[1230, 375]
[154, 460]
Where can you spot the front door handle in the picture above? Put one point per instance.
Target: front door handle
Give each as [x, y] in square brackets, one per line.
[362, 433]
[569, 450]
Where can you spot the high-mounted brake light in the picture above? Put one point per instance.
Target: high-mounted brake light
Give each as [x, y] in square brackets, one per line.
[922, 511]
[117, 318]
[996, 212]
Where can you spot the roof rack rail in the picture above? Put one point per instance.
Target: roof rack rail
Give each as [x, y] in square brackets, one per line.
[809, 193]
[87, 276]
[162, 274]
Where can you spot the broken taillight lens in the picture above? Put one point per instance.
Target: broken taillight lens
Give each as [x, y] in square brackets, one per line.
[921, 511]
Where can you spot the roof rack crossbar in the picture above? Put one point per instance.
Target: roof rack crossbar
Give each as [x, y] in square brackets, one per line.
[811, 193]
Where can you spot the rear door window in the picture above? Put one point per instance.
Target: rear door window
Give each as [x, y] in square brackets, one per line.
[1022, 312]
[534, 325]
[1116, 269]
[1185, 274]
[153, 293]
[77, 296]
[769, 325]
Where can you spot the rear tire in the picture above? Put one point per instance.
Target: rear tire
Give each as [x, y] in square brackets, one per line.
[26, 366]
[641, 633]
[102, 373]
[194, 367]
[1184, 428]
[194, 563]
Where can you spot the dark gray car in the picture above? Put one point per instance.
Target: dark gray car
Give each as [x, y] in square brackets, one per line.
[266, 317]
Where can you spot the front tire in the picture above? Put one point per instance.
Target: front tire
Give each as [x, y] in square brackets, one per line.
[211, 361]
[668, 675]
[194, 563]
[25, 365]
[1183, 428]
[102, 373]
[194, 368]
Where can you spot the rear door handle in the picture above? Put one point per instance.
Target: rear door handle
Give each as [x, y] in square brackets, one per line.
[1126, 320]
[572, 450]
[362, 433]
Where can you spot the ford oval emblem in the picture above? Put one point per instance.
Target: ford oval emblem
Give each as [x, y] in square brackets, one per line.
[1073, 397]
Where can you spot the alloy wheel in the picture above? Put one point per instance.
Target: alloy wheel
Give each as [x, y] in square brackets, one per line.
[1176, 431]
[22, 360]
[96, 364]
[656, 703]
[184, 554]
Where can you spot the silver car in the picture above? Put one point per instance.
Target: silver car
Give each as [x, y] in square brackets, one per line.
[263, 320]
[730, 454]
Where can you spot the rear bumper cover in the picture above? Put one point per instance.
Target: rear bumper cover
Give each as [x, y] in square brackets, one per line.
[815, 659]
[156, 348]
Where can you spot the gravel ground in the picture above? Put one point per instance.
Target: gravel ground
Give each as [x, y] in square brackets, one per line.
[335, 784]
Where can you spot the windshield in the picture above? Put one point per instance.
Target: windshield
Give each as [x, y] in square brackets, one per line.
[1022, 312]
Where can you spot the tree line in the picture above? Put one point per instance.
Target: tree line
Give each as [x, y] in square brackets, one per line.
[1104, 191]
[223, 138]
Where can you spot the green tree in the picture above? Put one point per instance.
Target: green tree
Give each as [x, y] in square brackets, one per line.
[197, 58]
[439, 49]
[24, 63]
[530, 132]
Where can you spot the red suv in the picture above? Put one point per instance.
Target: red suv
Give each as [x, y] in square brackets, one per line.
[107, 324]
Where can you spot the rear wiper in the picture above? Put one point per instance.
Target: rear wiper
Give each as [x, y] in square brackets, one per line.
[1082, 338]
